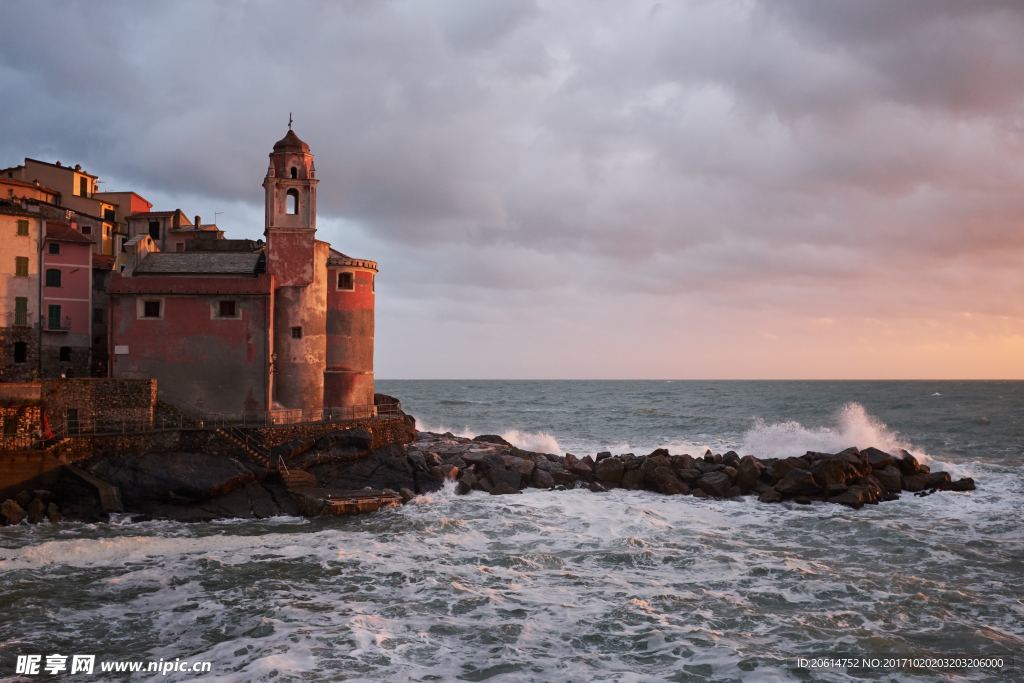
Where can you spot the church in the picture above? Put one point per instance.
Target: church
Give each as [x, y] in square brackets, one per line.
[278, 328]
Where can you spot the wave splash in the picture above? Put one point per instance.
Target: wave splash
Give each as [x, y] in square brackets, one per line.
[854, 427]
[538, 442]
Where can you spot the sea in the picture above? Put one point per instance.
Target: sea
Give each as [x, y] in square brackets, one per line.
[573, 585]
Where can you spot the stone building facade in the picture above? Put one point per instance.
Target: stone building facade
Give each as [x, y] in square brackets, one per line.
[241, 327]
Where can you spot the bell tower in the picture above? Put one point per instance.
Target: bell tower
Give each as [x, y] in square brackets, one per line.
[297, 263]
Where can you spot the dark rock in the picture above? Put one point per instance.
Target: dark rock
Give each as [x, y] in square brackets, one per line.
[779, 468]
[914, 482]
[663, 480]
[563, 478]
[965, 484]
[610, 470]
[602, 455]
[173, 477]
[908, 464]
[770, 495]
[748, 473]
[542, 479]
[36, 511]
[580, 467]
[802, 500]
[383, 468]
[878, 459]
[690, 475]
[597, 487]
[491, 438]
[937, 480]
[462, 488]
[700, 493]
[354, 439]
[853, 497]
[658, 451]
[716, 484]
[729, 471]
[631, 479]
[499, 473]
[831, 471]
[418, 461]
[502, 489]
[406, 494]
[797, 482]
[53, 513]
[522, 465]
[23, 498]
[12, 512]
[890, 479]
[42, 494]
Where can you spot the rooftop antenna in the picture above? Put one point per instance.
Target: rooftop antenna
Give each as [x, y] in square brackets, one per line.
[289, 120]
[215, 214]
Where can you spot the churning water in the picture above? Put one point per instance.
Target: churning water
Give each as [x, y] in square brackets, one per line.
[574, 586]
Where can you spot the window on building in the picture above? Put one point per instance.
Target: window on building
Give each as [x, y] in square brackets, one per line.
[227, 309]
[53, 317]
[295, 172]
[151, 309]
[373, 283]
[23, 228]
[296, 333]
[292, 202]
[108, 214]
[20, 352]
[54, 247]
[86, 229]
[97, 315]
[53, 277]
[71, 420]
[83, 186]
[21, 310]
[154, 229]
[346, 280]
[21, 266]
[10, 426]
[65, 354]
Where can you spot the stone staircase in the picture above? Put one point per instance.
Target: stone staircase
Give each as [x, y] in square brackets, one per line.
[256, 452]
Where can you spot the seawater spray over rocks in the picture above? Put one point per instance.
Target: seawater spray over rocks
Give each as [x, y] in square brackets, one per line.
[851, 477]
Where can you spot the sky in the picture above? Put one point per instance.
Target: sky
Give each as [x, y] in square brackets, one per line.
[591, 188]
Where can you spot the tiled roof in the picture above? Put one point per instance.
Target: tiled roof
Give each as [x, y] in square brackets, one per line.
[103, 261]
[201, 262]
[57, 231]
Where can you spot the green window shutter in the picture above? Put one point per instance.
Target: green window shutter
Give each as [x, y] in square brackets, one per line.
[53, 318]
[23, 227]
[20, 310]
[21, 266]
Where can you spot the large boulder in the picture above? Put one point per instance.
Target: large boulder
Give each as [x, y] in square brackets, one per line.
[36, 511]
[748, 473]
[909, 465]
[495, 468]
[831, 472]
[542, 479]
[582, 467]
[11, 512]
[717, 484]
[965, 484]
[878, 459]
[354, 439]
[664, 480]
[797, 482]
[890, 479]
[610, 470]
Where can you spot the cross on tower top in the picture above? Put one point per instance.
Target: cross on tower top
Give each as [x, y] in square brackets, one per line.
[289, 120]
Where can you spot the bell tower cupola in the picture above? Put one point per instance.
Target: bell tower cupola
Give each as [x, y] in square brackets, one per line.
[290, 185]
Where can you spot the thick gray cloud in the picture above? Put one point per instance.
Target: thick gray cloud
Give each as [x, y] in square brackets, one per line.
[535, 173]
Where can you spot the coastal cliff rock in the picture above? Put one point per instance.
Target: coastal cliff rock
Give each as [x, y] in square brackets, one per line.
[851, 477]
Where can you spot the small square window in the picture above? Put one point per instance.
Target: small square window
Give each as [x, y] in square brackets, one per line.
[228, 309]
[346, 280]
[151, 309]
[54, 248]
[23, 228]
[52, 277]
[296, 333]
[86, 229]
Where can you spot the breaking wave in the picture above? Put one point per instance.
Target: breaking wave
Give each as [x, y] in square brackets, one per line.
[539, 442]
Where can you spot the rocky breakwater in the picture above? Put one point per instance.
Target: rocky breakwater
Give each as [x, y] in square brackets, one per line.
[851, 477]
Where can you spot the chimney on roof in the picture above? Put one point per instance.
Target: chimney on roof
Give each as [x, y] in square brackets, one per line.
[58, 163]
[197, 221]
[78, 167]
